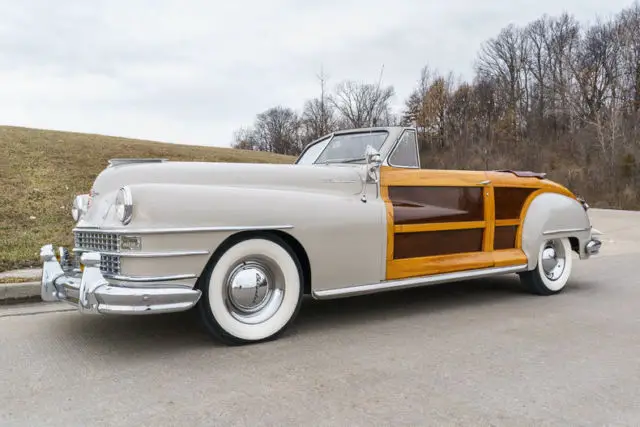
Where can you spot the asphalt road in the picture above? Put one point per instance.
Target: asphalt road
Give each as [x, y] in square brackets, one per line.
[473, 353]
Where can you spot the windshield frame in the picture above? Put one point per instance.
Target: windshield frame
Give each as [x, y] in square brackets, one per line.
[328, 139]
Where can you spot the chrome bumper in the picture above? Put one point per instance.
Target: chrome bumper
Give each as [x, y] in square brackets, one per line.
[92, 293]
[593, 245]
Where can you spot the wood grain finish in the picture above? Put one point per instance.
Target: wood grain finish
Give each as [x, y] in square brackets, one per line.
[413, 228]
[490, 218]
[510, 201]
[441, 221]
[508, 257]
[391, 176]
[414, 267]
[505, 237]
[523, 213]
[433, 243]
[505, 222]
[420, 205]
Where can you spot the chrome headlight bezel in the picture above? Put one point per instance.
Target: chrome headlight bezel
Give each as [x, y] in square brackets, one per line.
[79, 207]
[124, 205]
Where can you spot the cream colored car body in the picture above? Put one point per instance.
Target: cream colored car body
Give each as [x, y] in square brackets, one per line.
[194, 207]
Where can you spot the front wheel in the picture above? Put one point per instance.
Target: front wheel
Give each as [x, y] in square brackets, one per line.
[252, 291]
[552, 270]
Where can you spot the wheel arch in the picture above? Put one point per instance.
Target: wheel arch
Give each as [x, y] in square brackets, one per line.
[296, 247]
[547, 215]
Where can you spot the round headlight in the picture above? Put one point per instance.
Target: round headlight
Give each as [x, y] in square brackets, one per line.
[124, 205]
[79, 207]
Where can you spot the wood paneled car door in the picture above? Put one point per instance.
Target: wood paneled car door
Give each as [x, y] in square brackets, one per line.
[438, 221]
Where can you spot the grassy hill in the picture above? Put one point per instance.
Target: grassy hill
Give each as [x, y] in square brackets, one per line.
[41, 171]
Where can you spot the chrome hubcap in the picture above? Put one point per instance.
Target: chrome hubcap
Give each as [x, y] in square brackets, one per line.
[248, 287]
[254, 290]
[553, 260]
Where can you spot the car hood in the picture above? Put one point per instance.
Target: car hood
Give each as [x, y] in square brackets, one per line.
[345, 179]
[341, 180]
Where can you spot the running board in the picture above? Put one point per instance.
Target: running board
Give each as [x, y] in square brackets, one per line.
[413, 282]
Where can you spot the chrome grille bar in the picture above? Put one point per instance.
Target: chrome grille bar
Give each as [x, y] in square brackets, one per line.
[100, 242]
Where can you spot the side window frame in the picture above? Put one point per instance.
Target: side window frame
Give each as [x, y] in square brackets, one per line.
[397, 144]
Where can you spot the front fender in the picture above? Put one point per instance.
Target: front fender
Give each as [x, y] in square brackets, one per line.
[553, 215]
[344, 238]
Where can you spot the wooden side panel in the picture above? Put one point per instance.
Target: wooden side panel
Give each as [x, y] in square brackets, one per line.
[414, 267]
[510, 201]
[434, 243]
[391, 176]
[446, 221]
[420, 205]
[505, 237]
[490, 216]
[523, 213]
[508, 257]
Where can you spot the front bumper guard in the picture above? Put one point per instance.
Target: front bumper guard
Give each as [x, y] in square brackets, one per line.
[92, 293]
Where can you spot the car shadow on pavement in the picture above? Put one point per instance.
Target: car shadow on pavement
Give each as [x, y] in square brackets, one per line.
[179, 332]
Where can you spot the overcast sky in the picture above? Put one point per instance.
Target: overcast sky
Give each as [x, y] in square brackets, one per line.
[192, 71]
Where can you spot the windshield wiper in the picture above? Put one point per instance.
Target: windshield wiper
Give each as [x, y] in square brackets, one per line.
[358, 159]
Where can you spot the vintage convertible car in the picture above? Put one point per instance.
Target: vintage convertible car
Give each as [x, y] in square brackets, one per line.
[355, 214]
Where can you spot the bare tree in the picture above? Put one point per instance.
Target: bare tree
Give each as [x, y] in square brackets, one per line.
[362, 104]
[276, 130]
[318, 114]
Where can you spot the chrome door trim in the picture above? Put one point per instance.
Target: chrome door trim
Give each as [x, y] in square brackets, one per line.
[145, 254]
[416, 282]
[183, 229]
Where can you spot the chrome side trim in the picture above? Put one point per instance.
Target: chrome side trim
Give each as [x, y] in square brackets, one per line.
[566, 230]
[146, 254]
[416, 282]
[147, 279]
[183, 230]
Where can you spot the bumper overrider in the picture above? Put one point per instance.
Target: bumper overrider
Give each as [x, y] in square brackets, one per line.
[92, 293]
[594, 244]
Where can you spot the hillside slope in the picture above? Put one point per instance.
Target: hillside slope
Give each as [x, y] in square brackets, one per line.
[41, 171]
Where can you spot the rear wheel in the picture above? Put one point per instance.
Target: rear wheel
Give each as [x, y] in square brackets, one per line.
[552, 270]
[252, 291]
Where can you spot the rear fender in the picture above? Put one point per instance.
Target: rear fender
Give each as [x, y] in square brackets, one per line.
[553, 215]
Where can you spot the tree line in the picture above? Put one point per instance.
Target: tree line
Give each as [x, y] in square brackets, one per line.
[555, 95]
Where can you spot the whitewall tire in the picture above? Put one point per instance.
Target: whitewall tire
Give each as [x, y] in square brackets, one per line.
[251, 291]
[553, 268]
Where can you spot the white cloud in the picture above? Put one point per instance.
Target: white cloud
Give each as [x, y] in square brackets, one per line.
[192, 71]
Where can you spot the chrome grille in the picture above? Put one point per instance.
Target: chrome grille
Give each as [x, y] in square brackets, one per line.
[110, 264]
[99, 242]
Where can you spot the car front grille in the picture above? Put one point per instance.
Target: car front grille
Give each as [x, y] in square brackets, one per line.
[100, 242]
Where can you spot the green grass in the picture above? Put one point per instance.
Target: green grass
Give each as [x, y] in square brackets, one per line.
[41, 171]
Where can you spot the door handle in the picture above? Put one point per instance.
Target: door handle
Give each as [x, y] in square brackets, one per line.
[485, 182]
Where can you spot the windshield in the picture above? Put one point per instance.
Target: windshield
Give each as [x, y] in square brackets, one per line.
[346, 148]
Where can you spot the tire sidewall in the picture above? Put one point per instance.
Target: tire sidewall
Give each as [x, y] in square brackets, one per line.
[214, 312]
[561, 282]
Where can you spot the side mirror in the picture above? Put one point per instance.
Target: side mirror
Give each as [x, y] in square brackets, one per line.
[373, 159]
[372, 156]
